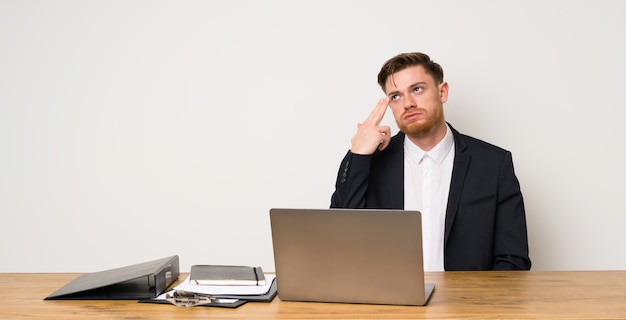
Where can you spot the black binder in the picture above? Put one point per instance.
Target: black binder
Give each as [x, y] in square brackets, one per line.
[139, 281]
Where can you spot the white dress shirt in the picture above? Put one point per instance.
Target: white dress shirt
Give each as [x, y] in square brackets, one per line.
[426, 186]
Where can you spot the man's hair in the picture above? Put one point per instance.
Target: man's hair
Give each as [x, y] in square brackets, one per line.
[406, 60]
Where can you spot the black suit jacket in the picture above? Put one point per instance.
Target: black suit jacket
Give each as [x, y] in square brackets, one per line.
[485, 226]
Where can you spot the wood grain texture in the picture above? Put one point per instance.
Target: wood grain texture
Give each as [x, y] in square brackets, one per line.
[458, 295]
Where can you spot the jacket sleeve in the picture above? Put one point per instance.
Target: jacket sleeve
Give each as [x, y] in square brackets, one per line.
[352, 182]
[510, 238]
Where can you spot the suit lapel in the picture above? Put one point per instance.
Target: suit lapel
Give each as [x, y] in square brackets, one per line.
[459, 172]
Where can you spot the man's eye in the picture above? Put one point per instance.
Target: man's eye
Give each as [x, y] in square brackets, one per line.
[417, 89]
[395, 97]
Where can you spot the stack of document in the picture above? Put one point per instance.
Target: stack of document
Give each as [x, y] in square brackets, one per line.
[230, 296]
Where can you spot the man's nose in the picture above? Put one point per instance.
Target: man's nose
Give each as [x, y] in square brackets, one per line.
[409, 102]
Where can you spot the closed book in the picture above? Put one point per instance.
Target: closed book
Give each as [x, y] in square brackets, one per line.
[226, 275]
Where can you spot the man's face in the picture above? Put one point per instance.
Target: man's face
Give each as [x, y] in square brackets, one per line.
[416, 101]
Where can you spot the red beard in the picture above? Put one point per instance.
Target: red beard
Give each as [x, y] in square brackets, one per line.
[420, 127]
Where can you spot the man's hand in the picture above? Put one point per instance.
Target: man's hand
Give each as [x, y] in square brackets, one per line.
[370, 134]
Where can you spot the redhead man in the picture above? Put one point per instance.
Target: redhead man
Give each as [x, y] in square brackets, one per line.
[473, 215]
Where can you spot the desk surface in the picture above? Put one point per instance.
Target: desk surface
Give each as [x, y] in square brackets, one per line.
[492, 294]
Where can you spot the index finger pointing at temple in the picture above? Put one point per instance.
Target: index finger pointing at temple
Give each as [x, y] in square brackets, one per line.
[376, 116]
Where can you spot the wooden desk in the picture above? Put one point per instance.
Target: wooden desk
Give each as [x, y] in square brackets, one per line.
[533, 294]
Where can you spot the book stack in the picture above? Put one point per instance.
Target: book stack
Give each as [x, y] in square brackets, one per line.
[220, 286]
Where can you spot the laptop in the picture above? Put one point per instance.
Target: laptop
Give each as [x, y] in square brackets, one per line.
[349, 256]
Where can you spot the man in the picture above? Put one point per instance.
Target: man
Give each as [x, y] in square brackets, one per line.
[473, 215]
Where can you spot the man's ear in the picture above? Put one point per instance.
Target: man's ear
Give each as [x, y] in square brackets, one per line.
[443, 92]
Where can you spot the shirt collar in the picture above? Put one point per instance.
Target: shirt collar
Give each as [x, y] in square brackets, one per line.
[437, 154]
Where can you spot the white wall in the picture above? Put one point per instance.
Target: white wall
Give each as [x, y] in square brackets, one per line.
[134, 130]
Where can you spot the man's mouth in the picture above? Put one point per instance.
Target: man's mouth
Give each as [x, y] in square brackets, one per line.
[413, 116]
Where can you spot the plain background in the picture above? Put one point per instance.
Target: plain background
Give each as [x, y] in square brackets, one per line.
[135, 130]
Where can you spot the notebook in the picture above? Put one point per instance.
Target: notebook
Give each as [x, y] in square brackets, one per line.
[226, 275]
[349, 256]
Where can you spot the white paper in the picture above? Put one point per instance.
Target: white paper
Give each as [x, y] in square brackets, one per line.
[227, 290]
[163, 296]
